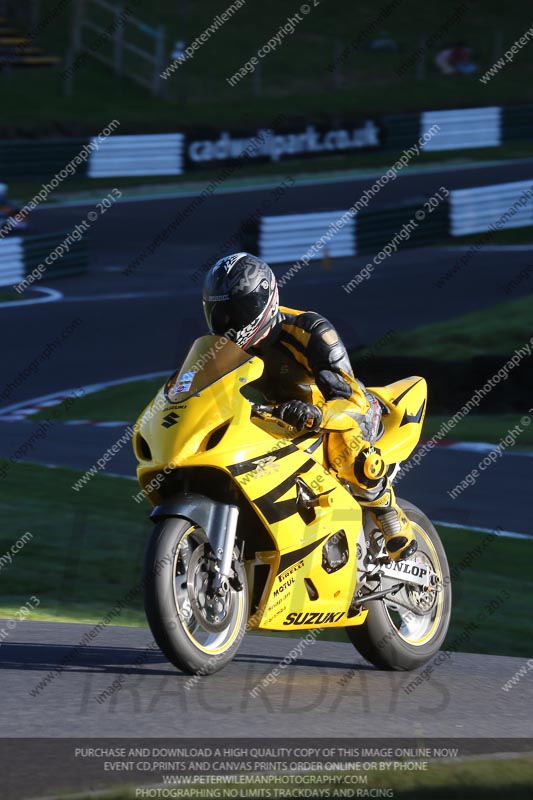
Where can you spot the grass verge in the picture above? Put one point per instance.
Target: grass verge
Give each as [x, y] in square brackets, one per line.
[481, 428]
[498, 330]
[87, 548]
[116, 403]
[8, 297]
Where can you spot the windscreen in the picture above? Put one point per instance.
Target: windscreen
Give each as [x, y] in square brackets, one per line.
[208, 360]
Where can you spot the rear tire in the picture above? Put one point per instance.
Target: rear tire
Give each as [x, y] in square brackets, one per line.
[379, 639]
[189, 628]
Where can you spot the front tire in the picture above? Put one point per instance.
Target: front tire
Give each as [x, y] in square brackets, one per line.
[197, 634]
[393, 638]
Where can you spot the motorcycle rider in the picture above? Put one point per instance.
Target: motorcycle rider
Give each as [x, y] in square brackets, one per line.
[299, 348]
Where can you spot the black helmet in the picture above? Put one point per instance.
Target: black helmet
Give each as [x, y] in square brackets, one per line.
[241, 299]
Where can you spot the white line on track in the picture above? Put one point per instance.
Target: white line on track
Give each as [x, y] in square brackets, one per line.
[483, 447]
[478, 529]
[50, 296]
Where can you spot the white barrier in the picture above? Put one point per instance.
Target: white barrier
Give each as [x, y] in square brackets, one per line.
[289, 237]
[158, 154]
[11, 261]
[504, 205]
[462, 128]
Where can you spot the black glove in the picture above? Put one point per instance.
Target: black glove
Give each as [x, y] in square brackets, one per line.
[332, 385]
[300, 415]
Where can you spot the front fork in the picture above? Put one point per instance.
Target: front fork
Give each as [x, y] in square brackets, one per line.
[219, 521]
[222, 568]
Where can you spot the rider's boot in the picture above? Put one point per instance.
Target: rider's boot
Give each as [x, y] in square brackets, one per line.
[400, 539]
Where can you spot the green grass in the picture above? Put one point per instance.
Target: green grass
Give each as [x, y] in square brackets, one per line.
[472, 779]
[8, 297]
[295, 76]
[116, 403]
[497, 330]
[494, 574]
[481, 428]
[87, 546]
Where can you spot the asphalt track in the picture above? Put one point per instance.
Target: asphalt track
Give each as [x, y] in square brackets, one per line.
[328, 691]
[53, 699]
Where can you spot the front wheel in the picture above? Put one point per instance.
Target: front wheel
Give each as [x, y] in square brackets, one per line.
[404, 631]
[198, 632]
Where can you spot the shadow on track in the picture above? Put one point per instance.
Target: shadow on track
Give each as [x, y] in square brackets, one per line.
[125, 660]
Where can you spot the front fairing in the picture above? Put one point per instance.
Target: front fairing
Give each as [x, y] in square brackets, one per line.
[198, 400]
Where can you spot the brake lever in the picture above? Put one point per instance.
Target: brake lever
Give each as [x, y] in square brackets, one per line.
[268, 413]
[263, 410]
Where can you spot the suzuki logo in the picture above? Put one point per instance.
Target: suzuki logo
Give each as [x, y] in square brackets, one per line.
[170, 419]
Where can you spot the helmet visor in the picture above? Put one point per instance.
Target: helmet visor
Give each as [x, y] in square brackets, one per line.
[227, 317]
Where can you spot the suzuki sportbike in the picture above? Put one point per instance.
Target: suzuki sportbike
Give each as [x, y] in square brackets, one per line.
[254, 531]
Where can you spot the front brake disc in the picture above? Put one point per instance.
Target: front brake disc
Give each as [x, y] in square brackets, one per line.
[211, 612]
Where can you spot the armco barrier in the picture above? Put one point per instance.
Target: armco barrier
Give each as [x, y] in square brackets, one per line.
[164, 154]
[287, 238]
[375, 229]
[464, 128]
[12, 268]
[504, 205]
[400, 131]
[158, 154]
[20, 255]
[517, 122]
[38, 159]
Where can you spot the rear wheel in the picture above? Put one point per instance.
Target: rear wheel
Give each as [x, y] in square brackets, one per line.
[405, 630]
[197, 631]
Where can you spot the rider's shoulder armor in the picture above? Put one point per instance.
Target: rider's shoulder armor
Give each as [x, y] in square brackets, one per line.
[314, 343]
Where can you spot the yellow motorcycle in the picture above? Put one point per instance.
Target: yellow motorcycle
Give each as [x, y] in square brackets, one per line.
[254, 530]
